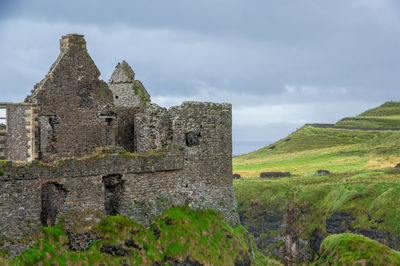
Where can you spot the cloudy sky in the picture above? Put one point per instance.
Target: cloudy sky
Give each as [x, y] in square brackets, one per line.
[280, 63]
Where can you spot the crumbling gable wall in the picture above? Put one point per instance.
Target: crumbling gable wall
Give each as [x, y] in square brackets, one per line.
[130, 101]
[70, 100]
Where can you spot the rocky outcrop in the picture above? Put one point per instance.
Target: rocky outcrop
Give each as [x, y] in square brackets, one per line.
[81, 241]
[282, 233]
[236, 176]
[263, 227]
[339, 223]
[322, 173]
[274, 174]
[295, 247]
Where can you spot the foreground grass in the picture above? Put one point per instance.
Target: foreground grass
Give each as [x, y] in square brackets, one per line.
[180, 234]
[351, 249]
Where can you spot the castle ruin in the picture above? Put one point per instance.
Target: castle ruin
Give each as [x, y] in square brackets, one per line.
[79, 144]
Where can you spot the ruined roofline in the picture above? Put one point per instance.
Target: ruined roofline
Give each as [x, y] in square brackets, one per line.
[199, 103]
[106, 161]
[69, 42]
[5, 104]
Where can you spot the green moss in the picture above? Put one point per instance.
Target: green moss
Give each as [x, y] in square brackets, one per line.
[140, 91]
[351, 249]
[105, 93]
[177, 234]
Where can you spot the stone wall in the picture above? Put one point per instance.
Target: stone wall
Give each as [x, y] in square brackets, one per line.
[204, 130]
[127, 91]
[153, 128]
[20, 212]
[18, 137]
[137, 186]
[71, 101]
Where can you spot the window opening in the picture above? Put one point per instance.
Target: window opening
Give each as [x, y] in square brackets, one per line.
[3, 119]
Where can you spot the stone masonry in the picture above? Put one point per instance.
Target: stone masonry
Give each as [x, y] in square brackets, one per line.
[79, 148]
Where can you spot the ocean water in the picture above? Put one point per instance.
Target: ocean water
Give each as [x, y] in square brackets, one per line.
[243, 147]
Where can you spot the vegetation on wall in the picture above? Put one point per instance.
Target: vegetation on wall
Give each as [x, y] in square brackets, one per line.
[179, 235]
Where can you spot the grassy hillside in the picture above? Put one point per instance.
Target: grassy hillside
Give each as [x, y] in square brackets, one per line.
[291, 216]
[350, 249]
[180, 235]
[337, 150]
[384, 116]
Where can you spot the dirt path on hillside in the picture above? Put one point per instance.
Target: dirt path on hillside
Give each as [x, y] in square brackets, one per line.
[352, 128]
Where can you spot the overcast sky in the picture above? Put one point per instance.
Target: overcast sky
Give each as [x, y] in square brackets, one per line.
[280, 63]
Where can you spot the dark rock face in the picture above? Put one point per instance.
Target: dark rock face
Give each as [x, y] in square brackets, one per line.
[244, 260]
[81, 241]
[295, 248]
[117, 251]
[131, 243]
[274, 174]
[262, 227]
[322, 173]
[316, 240]
[187, 262]
[339, 223]
[385, 238]
[236, 176]
[157, 232]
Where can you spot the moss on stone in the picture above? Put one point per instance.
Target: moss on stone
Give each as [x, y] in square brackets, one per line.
[105, 93]
[140, 91]
[179, 235]
[352, 249]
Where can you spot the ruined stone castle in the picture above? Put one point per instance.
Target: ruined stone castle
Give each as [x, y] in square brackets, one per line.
[81, 145]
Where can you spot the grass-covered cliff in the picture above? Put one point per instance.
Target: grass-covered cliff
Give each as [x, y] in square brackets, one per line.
[180, 236]
[291, 217]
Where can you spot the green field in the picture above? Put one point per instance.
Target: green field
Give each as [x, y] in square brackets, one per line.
[337, 150]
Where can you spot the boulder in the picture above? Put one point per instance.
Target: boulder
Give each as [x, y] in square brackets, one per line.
[274, 174]
[236, 176]
[322, 173]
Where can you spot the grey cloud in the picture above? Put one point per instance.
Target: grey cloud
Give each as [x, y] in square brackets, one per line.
[244, 52]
